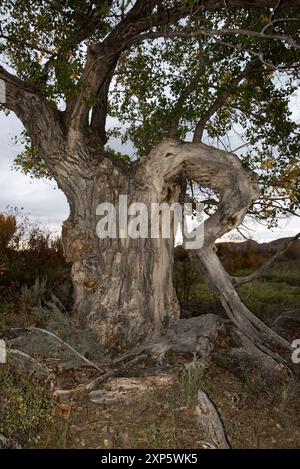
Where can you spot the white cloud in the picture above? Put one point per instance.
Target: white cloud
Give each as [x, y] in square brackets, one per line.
[41, 198]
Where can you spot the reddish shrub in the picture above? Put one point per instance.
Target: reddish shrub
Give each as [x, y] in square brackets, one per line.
[8, 226]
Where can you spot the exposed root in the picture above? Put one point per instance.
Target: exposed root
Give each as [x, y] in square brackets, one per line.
[84, 388]
[199, 336]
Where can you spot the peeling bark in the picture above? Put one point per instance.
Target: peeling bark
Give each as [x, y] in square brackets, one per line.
[122, 287]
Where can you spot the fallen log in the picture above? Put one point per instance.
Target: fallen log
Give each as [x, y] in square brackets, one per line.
[210, 422]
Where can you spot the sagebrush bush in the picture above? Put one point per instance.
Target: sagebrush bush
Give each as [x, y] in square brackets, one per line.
[25, 408]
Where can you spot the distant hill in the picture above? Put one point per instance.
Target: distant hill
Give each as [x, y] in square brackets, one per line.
[267, 248]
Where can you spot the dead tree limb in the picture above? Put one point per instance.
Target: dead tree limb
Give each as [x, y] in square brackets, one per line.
[266, 266]
[237, 188]
[28, 363]
[209, 419]
[91, 385]
[58, 339]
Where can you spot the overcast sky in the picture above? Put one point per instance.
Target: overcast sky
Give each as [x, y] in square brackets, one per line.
[48, 205]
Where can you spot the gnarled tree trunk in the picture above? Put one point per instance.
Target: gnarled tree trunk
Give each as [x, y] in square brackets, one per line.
[122, 286]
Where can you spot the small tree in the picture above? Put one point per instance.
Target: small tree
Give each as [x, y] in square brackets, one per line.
[167, 70]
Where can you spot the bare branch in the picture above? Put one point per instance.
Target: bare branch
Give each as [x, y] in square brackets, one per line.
[258, 55]
[82, 388]
[266, 266]
[278, 20]
[58, 339]
[222, 32]
[29, 363]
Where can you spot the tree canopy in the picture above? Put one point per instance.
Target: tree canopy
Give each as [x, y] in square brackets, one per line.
[221, 72]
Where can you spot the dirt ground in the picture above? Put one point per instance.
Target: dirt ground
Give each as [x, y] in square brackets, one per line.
[255, 413]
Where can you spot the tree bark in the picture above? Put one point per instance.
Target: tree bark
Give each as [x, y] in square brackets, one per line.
[122, 287]
[236, 188]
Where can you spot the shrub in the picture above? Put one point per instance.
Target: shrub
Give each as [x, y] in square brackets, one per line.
[29, 253]
[8, 226]
[25, 408]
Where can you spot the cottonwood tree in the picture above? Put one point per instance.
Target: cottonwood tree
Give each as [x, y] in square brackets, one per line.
[173, 76]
